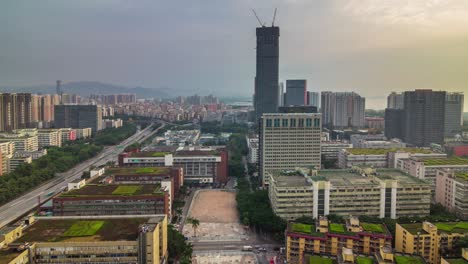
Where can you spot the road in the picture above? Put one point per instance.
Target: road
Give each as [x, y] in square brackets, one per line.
[21, 205]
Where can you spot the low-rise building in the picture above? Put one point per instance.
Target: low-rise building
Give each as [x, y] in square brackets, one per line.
[83, 133]
[381, 157]
[201, 165]
[21, 142]
[359, 191]
[94, 239]
[76, 184]
[33, 154]
[7, 149]
[429, 240]
[426, 168]
[110, 199]
[15, 162]
[49, 138]
[330, 149]
[68, 134]
[330, 238]
[451, 191]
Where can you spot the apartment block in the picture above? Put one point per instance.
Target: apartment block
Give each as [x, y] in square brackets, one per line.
[288, 141]
[49, 137]
[201, 165]
[381, 157]
[426, 168]
[82, 133]
[327, 238]
[359, 191]
[428, 239]
[21, 142]
[112, 199]
[330, 149]
[451, 191]
[343, 110]
[7, 149]
[68, 134]
[14, 162]
[94, 239]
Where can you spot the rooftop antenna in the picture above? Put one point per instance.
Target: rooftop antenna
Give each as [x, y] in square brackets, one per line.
[274, 17]
[259, 21]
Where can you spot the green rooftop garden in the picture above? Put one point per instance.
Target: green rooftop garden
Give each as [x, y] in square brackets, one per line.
[457, 261]
[137, 170]
[414, 228]
[159, 154]
[84, 228]
[364, 260]
[383, 151]
[320, 260]
[373, 228]
[302, 228]
[455, 227]
[337, 228]
[462, 175]
[407, 260]
[448, 161]
[126, 190]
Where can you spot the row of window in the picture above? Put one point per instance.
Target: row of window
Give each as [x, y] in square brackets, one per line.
[293, 122]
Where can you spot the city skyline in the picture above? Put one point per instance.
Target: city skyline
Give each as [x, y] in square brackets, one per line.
[146, 44]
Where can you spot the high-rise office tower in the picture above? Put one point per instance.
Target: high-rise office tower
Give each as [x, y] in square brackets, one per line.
[15, 111]
[313, 99]
[424, 117]
[394, 125]
[288, 141]
[453, 114]
[343, 110]
[395, 101]
[266, 96]
[296, 92]
[78, 116]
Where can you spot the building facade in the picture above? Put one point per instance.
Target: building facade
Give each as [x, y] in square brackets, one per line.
[395, 101]
[453, 114]
[296, 92]
[452, 192]
[343, 110]
[288, 141]
[78, 116]
[424, 117]
[15, 111]
[427, 239]
[266, 97]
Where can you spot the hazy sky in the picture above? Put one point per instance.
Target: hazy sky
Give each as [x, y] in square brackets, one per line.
[368, 46]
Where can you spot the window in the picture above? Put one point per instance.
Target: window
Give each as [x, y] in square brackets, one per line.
[301, 122]
[285, 122]
[293, 122]
[309, 122]
[268, 123]
[316, 122]
[277, 122]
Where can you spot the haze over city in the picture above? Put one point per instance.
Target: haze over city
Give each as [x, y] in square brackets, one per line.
[368, 46]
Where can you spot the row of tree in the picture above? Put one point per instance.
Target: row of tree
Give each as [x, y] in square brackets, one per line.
[237, 146]
[113, 136]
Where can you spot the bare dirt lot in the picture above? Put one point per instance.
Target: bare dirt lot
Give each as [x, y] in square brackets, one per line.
[224, 258]
[219, 220]
[215, 207]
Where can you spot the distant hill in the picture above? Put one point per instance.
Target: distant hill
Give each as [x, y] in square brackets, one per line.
[85, 88]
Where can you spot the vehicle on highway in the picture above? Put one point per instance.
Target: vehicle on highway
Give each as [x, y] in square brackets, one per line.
[247, 248]
[50, 193]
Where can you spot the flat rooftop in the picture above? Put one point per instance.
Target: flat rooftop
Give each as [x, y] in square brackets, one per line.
[138, 171]
[442, 227]
[346, 177]
[291, 181]
[445, 162]
[85, 230]
[178, 153]
[384, 151]
[98, 190]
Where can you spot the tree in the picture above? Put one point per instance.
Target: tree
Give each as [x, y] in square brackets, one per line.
[195, 223]
[179, 250]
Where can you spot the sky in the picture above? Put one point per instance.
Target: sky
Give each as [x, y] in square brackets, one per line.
[371, 47]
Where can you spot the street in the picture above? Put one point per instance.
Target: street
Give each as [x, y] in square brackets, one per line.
[23, 204]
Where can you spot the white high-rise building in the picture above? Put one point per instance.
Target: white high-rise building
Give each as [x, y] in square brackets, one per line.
[288, 141]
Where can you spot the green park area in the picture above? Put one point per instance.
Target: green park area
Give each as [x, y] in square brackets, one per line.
[449, 161]
[302, 228]
[84, 228]
[320, 260]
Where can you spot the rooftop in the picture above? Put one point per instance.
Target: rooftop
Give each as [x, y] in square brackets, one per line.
[384, 151]
[457, 261]
[291, 181]
[304, 229]
[442, 227]
[320, 260]
[448, 161]
[96, 190]
[7, 255]
[408, 260]
[86, 230]
[138, 170]
[364, 260]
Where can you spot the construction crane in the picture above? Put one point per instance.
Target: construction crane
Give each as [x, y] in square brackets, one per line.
[259, 21]
[274, 17]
